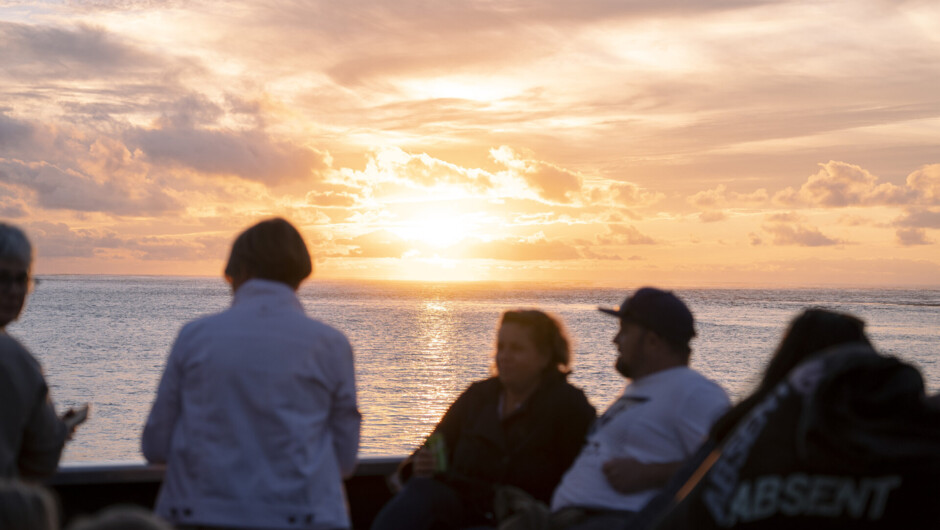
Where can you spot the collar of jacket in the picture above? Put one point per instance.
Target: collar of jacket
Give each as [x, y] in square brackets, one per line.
[257, 288]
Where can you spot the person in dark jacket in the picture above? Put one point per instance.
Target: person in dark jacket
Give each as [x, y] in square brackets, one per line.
[846, 440]
[842, 394]
[31, 435]
[521, 428]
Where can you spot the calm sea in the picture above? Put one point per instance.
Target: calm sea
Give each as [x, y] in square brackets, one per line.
[104, 340]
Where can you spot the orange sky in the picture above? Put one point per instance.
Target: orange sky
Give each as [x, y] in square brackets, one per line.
[728, 142]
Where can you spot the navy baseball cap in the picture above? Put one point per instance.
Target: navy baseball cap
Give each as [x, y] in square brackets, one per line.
[660, 311]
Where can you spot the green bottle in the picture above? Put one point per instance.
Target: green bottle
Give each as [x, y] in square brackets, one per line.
[438, 447]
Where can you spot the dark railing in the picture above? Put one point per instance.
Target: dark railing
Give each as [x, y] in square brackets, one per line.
[84, 489]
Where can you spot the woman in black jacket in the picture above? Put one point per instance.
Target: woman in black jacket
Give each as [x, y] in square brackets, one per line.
[521, 428]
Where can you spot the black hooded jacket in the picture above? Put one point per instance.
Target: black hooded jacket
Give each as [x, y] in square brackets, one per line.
[846, 441]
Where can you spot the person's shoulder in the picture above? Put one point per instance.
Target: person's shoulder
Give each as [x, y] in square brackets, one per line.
[15, 358]
[569, 391]
[703, 391]
[13, 351]
[573, 398]
[323, 331]
[9, 344]
[197, 324]
[476, 389]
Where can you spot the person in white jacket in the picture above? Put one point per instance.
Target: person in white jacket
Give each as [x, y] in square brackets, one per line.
[256, 415]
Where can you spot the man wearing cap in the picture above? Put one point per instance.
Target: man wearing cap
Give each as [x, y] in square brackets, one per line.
[660, 419]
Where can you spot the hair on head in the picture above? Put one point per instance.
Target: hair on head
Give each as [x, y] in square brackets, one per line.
[810, 332]
[27, 507]
[547, 334]
[270, 250]
[14, 245]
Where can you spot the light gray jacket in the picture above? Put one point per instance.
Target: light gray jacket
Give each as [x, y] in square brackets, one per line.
[256, 417]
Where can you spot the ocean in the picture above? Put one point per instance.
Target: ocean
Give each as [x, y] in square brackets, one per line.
[104, 340]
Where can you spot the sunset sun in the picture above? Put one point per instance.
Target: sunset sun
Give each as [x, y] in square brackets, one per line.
[438, 230]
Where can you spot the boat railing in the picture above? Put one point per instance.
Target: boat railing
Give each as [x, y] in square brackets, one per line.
[85, 488]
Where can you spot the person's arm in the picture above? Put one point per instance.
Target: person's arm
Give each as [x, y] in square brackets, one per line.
[158, 431]
[43, 439]
[422, 463]
[692, 418]
[627, 475]
[345, 419]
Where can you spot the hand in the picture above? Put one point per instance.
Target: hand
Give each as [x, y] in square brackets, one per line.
[74, 417]
[423, 464]
[627, 475]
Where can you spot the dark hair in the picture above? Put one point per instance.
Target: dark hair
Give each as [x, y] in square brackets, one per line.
[270, 250]
[810, 332]
[14, 245]
[547, 334]
[27, 507]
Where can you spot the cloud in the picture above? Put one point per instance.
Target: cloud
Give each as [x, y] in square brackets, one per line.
[549, 181]
[62, 53]
[912, 236]
[624, 235]
[14, 133]
[720, 197]
[784, 217]
[839, 184]
[428, 171]
[629, 194]
[377, 244]
[71, 189]
[330, 199]
[379, 40]
[553, 183]
[251, 155]
[926, 181]
[920, 218]
[391, 171]
[11, 207]
[712, 216]
[187, 135]
[709, 198]
[799, 235]
[534, 248]
[58, 240]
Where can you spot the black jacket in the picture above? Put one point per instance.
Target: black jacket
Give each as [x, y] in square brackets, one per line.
[531, 449]
[847, 441]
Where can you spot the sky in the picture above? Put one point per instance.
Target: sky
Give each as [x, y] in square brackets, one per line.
[610, 142]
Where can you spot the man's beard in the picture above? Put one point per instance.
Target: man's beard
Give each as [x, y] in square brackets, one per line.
[623, 367]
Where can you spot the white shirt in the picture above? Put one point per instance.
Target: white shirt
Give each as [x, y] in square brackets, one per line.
[660, 418]
[256, 417]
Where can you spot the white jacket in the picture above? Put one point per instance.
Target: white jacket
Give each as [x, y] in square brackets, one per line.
[256, 417]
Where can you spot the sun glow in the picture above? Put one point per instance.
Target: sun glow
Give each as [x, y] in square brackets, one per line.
[438, 229]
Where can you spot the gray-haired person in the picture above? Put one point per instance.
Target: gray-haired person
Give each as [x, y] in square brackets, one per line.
[31, 435]
[256, 414]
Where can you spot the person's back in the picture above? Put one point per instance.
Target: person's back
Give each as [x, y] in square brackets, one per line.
[256, 417]
[846, 441]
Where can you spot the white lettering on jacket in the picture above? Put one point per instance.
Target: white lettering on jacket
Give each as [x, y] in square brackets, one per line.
[723, 476]
[810, 495]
